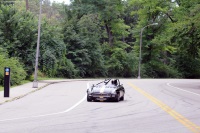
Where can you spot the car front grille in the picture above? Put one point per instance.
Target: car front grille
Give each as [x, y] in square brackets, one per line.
[101, 94]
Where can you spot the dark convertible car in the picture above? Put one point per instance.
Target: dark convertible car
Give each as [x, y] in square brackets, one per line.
[107, 90]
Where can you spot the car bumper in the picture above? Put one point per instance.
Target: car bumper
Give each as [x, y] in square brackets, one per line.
[103, 97]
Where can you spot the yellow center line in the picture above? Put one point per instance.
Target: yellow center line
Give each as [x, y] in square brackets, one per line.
[187, 123]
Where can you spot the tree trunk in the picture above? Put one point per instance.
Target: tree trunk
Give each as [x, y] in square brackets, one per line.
[27, 6]
[110, 35]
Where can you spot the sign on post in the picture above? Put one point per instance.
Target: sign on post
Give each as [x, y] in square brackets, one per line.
[6, 81]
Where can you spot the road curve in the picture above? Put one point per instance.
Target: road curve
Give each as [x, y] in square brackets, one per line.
[150, 106]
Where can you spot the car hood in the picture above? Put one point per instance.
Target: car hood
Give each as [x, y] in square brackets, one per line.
[103, 89]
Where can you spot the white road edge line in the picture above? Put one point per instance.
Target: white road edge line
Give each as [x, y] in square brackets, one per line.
[69, 109]
[183, 89]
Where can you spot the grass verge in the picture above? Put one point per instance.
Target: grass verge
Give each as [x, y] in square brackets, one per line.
[1, 88]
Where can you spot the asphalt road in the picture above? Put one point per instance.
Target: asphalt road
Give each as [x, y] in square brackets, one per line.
[150, 106]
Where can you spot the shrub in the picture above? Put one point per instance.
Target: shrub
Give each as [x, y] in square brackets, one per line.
[17, 72]
[121, 63]
[67, 70]
[156, 69]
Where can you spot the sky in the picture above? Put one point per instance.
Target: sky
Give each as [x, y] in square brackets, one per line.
[60, 1]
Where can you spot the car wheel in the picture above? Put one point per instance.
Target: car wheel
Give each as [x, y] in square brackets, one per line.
[117, 99]
[89, 99]
[122, 98]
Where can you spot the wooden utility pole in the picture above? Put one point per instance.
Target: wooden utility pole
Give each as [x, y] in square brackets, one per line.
[27, 6]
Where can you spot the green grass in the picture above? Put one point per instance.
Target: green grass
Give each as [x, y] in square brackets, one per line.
[1, 88]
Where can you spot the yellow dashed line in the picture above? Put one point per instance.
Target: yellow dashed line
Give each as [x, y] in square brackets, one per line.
[190, 125]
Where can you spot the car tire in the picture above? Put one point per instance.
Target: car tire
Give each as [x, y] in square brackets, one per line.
[117, 98]
[89, 99]
[122, 98]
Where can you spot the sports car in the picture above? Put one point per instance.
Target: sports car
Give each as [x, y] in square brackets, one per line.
[107, 90]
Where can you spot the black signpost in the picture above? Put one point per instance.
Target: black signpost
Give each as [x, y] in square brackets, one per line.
[6, 81]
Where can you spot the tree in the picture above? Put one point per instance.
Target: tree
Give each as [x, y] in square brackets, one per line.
[27, 5]
[157, 49]
[82, 42]
[52, 50]
[19, 35]
[187, 37]
[109, 12]
[90, 34]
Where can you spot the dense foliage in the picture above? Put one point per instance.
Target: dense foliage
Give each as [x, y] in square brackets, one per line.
[17, 72]
[100, 38]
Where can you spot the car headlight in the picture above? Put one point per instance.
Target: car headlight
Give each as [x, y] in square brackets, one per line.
[89, 91]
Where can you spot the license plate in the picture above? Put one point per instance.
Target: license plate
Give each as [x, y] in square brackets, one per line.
[101, 99]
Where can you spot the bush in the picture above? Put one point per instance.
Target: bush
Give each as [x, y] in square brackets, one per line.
[67, 70]
[17, 74]
[155, 69]
[122, 64]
